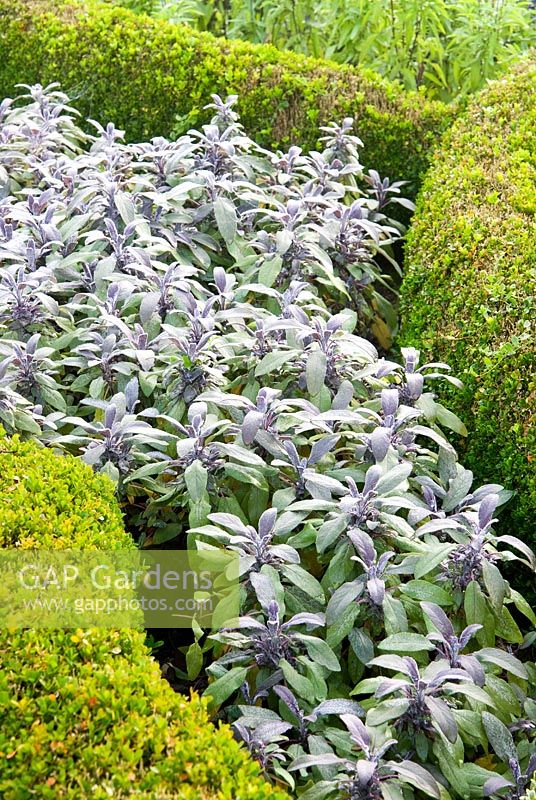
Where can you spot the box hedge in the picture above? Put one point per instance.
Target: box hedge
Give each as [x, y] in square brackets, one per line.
[143, 73]
[468, 296]
[86, 714]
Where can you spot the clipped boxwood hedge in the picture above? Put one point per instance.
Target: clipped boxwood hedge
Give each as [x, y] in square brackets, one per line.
[86, 714]
[469, 292]
[142, 73]
[51, 502]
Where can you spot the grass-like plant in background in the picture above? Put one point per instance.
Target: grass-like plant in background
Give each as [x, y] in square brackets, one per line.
[449, 47]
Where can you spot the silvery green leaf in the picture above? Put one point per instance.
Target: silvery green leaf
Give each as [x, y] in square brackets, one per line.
[272, 362]
[513, 541]
[301, 685]
[303, 579]
[442, 718]
[338, 707]
[499, 737]
[361, 644]
[320, 652]
[430, 561]
[405, 643]
[330, 531]
[495, 585]
[344, 396]
[196, 477]
[320, 759]
[228, 684]
[386, 711]
[125, 206]
[501, 658]
[264, 589]
[343, 597]
[417, 776]
[316, 372]
[226, 219]
[394, 478]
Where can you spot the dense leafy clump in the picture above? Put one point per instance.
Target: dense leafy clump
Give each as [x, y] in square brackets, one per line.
[450, 47]
[52, 502]
[165, 319]
[86, 713]
[154, 78]
[468, 292]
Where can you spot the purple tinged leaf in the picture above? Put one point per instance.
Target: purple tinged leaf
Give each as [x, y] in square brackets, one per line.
[305, 618]
[396, 663]
[335, 322]
[131, 393]
[443, 717]
[379, 443]
[389, 686]
[487, 509]
[220, 279]
[413, 669]
[474, 668]
[495, 785]
[267, 522]
[357, 731]
[321, 447]
[390, 400]
[229, 521]
[468, 633]
[371, 479]
[417, 776]
[376, 590]
[251, 425]
[363, 544]
[249, 623]
[439, 619]
[365, 771]
[415, 383]
[384, 560]
[110, 415]
[31, 345]
[288, 698]
[292, 452]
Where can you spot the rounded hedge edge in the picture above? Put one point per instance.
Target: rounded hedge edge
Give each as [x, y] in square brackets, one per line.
[468, 296]
[144, 73]
[87, 713]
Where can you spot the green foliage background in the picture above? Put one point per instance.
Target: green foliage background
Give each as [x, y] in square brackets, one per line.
[450, 47]
[468, 294]
[144, 73]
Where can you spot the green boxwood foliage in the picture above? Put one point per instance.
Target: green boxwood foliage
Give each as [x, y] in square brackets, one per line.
[53, 502]
[468, 295]
[143, 73]
[87, 713]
